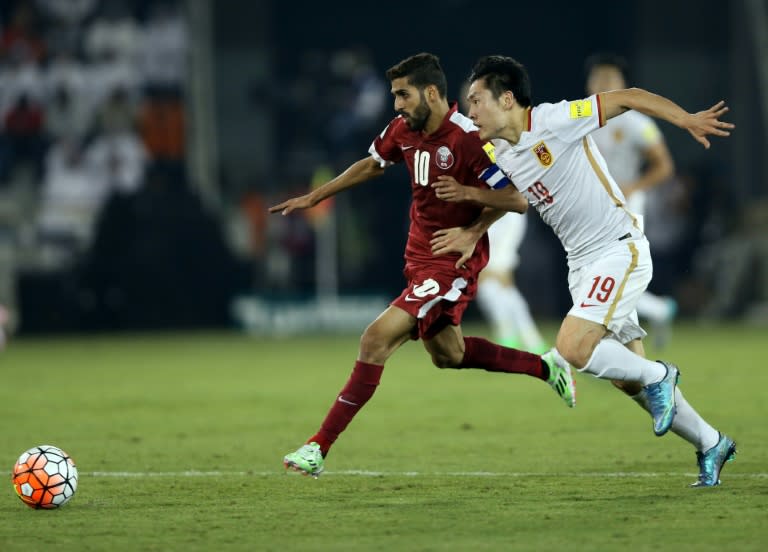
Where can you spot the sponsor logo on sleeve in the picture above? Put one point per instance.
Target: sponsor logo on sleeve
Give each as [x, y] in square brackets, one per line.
[581, 109]
[490, 151]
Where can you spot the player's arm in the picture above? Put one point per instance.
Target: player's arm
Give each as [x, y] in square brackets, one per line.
[659, 167]
[462, 240]
[357, 172]
[507, 198]
[699, 125]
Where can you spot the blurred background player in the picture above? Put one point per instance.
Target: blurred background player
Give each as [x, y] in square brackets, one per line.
[639, 160]
[498, 296]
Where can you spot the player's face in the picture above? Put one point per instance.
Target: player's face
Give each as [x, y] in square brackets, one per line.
[603, 78]
[411, 104]
[485, 111]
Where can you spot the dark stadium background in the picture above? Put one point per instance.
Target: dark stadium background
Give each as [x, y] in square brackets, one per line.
[266, 101]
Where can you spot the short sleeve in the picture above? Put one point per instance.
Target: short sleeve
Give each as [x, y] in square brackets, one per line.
[571, 120]
[385, 148]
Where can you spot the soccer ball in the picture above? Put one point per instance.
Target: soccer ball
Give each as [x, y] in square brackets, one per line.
[45, 477]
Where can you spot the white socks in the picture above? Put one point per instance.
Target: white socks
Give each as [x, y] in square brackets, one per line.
[490, 298]
[521, 317]
[612, 360]
[687, 423]
[508, 311]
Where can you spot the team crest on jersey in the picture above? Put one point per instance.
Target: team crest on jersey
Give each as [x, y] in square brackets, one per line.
[444, 158]
[542, 152]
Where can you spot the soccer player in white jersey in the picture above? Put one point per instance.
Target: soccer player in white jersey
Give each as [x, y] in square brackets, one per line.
[548, 154]
[638, 160]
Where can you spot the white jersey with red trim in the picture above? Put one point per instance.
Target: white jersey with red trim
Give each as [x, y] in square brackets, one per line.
[558, 168]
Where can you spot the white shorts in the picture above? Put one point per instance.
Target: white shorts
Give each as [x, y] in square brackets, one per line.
[505, 236]
[606, 291]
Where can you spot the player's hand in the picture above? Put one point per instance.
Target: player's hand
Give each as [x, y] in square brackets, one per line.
[448, 188]
[301, 202]
[707, 122]
[454, 240]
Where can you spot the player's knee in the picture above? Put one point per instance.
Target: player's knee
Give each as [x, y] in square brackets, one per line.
[373, 347]
[576, 355]
[447, 359]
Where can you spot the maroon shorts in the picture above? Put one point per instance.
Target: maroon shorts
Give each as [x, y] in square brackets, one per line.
[436, 297]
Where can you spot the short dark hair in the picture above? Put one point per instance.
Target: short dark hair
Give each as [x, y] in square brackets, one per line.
[421, 70]
[502, 73]
[607, 58]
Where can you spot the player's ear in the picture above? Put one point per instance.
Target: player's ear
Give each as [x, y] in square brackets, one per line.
[431, 93]
[508, 99]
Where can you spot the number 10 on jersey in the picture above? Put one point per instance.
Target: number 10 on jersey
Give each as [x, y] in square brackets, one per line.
[421, 167]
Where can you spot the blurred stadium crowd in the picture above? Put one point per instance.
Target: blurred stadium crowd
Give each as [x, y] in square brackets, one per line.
[100, 229]
[92, 147]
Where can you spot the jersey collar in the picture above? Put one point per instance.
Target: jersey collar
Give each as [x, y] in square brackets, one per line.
[444, 127]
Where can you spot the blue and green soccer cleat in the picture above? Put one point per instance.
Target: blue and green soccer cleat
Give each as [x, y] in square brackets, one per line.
[711, 462]
[661, 399]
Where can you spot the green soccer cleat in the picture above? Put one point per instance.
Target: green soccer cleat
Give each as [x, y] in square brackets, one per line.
[560, 377]
[308, 460]
[711, 462]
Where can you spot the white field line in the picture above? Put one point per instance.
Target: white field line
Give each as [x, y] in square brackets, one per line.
[364, 473]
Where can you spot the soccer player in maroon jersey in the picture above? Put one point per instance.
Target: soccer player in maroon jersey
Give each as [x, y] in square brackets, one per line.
[432, 138]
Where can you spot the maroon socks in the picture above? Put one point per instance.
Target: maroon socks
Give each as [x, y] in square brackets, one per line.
[359, 388]
[481, 353]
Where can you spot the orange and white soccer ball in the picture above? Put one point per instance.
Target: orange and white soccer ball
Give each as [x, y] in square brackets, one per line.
[45, 477]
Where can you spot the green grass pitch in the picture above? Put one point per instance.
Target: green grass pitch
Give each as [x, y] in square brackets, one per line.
[179, 440]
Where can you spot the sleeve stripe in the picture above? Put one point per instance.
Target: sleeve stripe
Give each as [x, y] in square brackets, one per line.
[495, 177]
[600, 121]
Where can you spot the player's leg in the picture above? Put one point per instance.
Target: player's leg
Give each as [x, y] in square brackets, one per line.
[604, 294]
[493, 300]
[450, 349]
[381, 338]
[521, 314]
[506, 308]
[688, 424]
[660, 311]
[504, 237]
[498, 297]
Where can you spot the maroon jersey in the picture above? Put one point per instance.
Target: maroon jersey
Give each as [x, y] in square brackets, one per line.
[454, 149]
